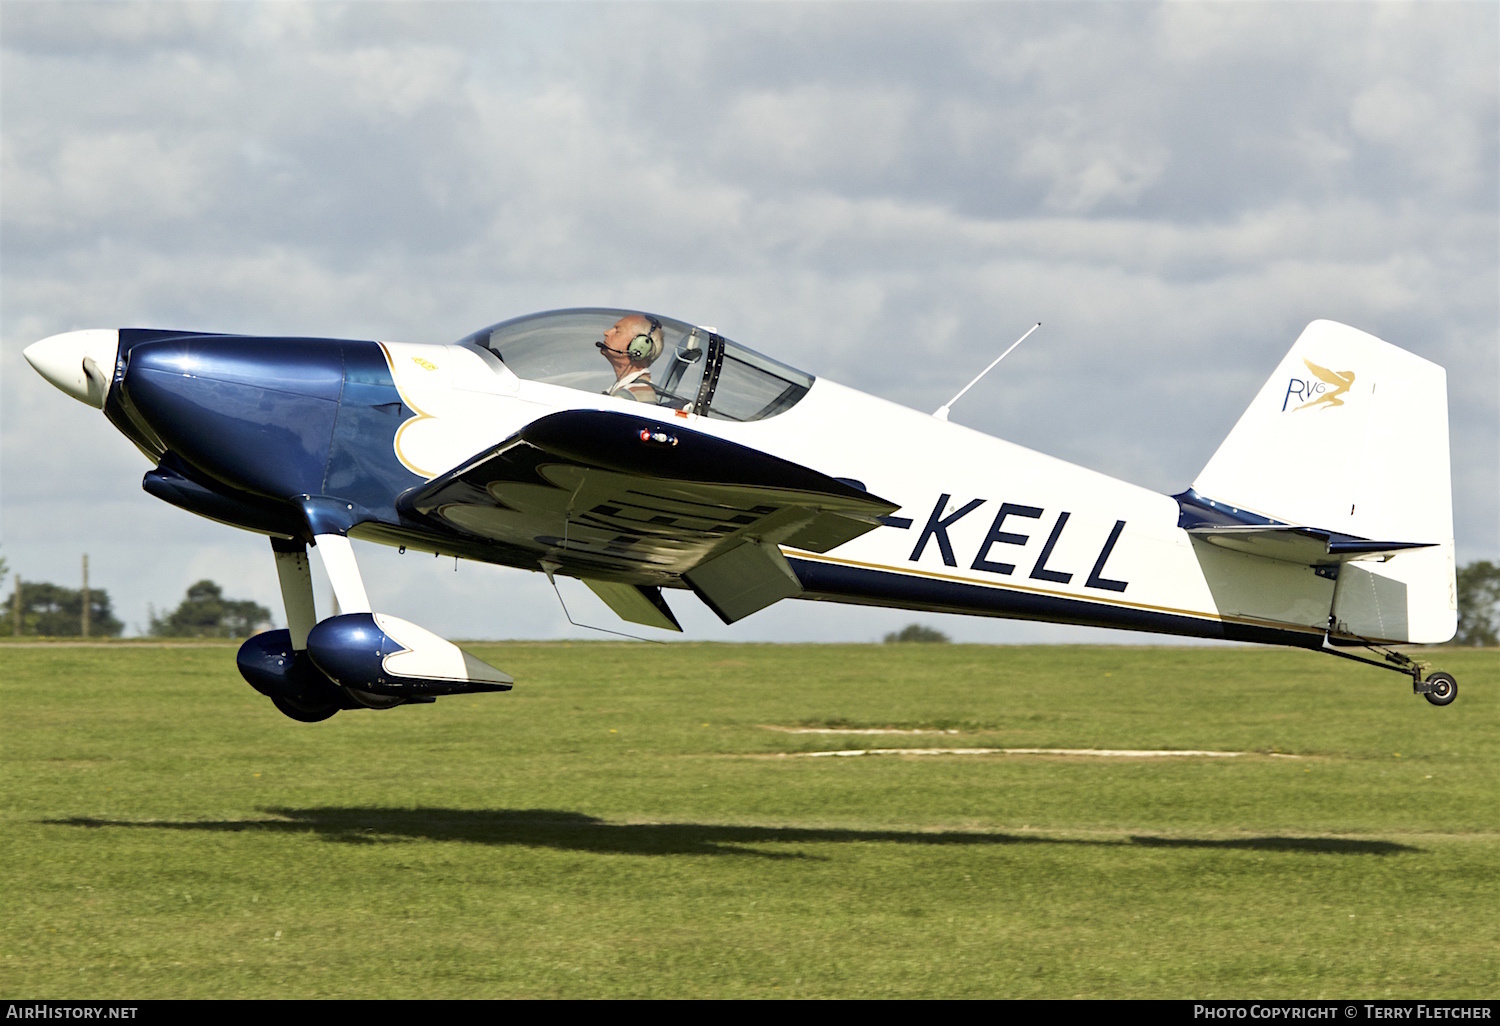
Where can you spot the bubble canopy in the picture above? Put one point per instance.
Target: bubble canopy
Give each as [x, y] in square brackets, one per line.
[698, 370]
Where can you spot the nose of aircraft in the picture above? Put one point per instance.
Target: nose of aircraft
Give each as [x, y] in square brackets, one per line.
[81, 363]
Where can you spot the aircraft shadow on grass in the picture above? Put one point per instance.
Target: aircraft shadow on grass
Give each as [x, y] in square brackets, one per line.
[576, 831]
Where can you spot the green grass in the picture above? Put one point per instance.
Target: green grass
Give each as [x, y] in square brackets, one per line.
[620, 824]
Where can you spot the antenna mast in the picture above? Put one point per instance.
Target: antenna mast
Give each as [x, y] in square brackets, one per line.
[942, 411]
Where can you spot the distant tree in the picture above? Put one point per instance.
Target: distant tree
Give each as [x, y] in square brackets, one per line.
[55, 611]
[206, 613]
[918, 633]
[1478, 604]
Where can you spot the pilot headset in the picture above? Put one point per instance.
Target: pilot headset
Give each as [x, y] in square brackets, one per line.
[646, 346]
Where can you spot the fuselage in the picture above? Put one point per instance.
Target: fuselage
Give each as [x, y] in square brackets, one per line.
[265, 433]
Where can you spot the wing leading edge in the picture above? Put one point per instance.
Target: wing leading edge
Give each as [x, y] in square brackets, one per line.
[635, 503]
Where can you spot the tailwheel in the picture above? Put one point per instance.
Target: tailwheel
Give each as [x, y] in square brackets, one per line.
[1440, 688]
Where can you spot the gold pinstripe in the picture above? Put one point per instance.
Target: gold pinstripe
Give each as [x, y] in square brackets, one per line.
[814, 557]
[421, 415]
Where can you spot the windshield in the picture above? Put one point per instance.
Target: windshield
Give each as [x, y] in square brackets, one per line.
[647, 358]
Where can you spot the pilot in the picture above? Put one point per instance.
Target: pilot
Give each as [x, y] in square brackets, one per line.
[631, 346]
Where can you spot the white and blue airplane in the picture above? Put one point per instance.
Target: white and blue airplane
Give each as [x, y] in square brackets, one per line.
[642, 454]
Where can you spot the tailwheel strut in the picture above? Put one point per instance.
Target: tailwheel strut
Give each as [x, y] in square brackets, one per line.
[1438, 687]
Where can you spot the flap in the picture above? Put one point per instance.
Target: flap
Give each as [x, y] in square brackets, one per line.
[636, 604]
[616, 497]
[744, 580]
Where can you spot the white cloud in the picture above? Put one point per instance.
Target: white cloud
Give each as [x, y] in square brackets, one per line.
[1083, 173]
[812, 129]
[129, 177]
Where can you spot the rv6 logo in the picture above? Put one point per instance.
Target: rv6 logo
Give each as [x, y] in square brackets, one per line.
[1325, 392]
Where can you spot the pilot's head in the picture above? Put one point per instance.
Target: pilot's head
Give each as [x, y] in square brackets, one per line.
[633, 342]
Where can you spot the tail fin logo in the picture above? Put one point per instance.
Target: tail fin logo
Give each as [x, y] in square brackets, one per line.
[1325, 392]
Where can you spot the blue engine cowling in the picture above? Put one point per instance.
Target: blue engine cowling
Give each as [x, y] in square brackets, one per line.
[384, 656]
[255, 414]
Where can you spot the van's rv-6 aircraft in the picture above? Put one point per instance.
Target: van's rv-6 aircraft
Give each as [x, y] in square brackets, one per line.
[1324, 521]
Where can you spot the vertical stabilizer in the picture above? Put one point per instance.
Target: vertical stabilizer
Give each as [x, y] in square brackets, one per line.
[1350, 435]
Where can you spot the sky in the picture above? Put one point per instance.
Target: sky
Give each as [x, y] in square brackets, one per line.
[883, 195]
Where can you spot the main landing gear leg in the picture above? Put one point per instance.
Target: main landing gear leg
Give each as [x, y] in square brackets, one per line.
[295, 575]
[1439, 687]
[343, 572]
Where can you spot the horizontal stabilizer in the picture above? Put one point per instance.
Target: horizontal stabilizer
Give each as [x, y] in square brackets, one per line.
[1308, 546]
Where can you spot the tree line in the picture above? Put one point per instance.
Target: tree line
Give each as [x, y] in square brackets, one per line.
[42, 609]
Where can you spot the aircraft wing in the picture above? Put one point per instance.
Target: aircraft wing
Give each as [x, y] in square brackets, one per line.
[627, 502]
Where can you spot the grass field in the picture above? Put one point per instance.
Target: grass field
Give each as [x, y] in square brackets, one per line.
[623, 824]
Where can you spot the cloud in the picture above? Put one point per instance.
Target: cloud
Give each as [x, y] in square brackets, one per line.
[1084, 171]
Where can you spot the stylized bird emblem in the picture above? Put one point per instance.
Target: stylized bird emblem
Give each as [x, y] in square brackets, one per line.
[1340, 380]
